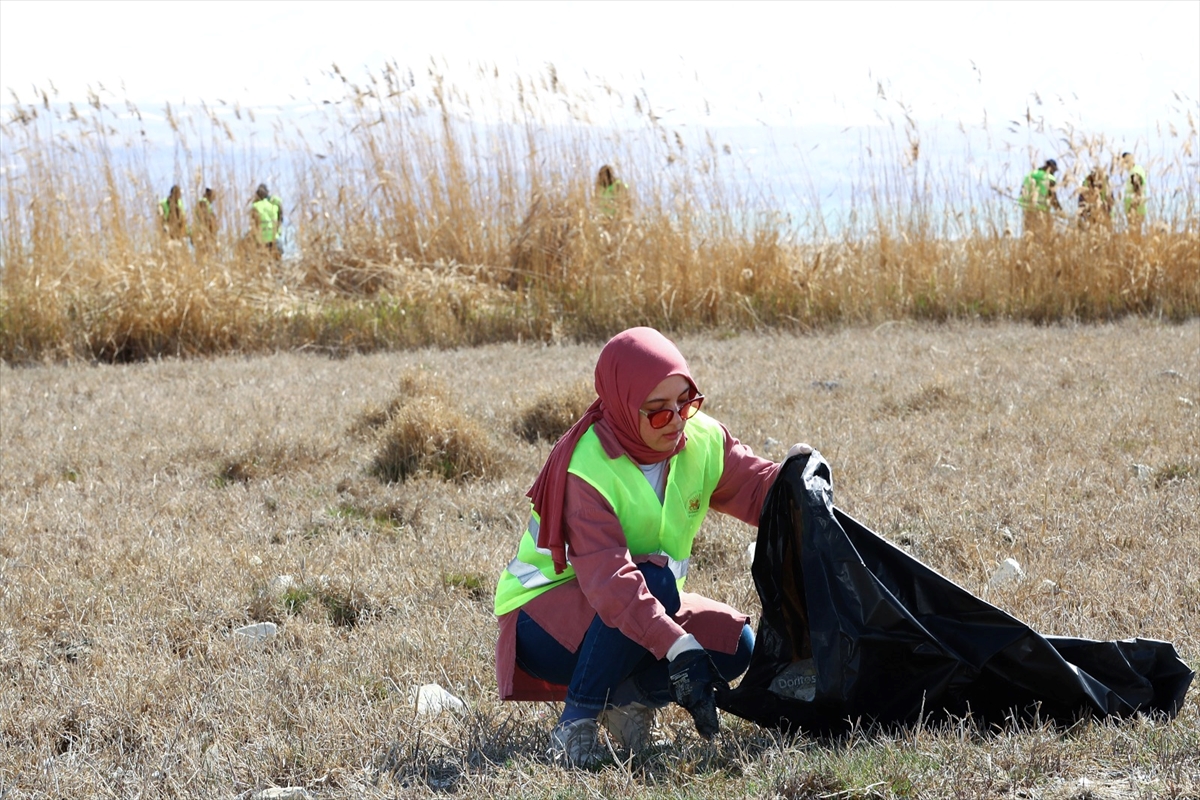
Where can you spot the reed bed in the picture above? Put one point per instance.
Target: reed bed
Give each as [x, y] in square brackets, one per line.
[419, 214]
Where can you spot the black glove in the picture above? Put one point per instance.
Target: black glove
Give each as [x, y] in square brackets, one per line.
[694, 684]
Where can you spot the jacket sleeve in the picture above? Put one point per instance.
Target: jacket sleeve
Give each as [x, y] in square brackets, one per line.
[607, 575]
[745, 481]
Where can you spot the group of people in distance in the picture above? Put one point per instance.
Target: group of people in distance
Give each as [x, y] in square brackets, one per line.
[1038, 199]
[266, 219]
[266, 214]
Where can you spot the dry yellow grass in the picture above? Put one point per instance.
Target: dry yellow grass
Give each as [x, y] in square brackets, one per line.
[423, 431]
[419, 229]
[127, 557]
[554, 409]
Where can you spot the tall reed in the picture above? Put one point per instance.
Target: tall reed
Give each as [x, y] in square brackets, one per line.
[426, 214]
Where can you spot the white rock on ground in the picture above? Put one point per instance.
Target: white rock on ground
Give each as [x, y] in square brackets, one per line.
[258, 632]
[433, 699]
[1008, 570]
[281, 793]
[281, 583]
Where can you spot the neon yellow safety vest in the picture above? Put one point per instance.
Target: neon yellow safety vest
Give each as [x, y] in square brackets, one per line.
[1035, 191]
[610, 198]
[165, 208]
[651, 528]
[268, 218]
[1131, 193]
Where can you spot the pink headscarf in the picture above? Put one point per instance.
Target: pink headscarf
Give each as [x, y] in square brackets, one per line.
[631, 364]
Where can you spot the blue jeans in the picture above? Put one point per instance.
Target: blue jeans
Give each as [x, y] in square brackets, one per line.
[610, 669]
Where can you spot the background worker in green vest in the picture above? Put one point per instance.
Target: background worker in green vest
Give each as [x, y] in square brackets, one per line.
[1136, 193]
[174, 223]
[266, 213]
[1038, 198]
[591, 609]
[610, 192]
[204, 228]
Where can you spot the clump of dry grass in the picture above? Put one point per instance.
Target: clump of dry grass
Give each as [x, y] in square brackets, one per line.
[924, 399]
[340, 602]
[410, 385]
[422, 432]
[425, 437]
[555, 410]
[264, 459]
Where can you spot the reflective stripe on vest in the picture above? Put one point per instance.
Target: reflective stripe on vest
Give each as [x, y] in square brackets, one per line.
[651, 528]
[529, 575]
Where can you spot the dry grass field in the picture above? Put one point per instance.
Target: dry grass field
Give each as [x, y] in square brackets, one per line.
[147, 510]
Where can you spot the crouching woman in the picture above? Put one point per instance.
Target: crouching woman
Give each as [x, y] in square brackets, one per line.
[591, 608]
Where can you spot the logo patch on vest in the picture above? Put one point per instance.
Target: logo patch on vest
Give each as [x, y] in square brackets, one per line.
[693, 504]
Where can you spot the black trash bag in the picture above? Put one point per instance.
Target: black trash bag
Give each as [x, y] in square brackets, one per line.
[854, 629]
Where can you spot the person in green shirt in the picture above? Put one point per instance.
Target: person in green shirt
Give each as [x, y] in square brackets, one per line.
[266, 214]
[172, 213]
[610, 192]
[1135, 193]
[1038, 198]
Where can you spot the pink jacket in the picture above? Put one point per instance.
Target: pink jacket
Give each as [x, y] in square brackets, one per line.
[610, 584]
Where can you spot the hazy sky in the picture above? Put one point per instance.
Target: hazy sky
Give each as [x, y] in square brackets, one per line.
[1111, 64]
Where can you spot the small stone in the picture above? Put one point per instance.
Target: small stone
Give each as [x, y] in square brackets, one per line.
[1141, 472]
[281, 793]
[769, 443]
[1049, 586]
[1008, 570]
[281, 583]
[255, 561]
[433, 699]
[258, 632]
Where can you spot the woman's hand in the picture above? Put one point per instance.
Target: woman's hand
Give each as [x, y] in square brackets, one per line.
[800, 449]
[694, 683]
